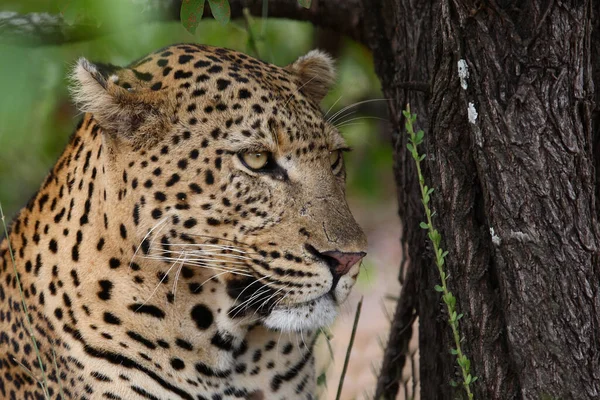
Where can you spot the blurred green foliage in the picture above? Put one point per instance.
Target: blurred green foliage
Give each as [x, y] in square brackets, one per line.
[36, 116]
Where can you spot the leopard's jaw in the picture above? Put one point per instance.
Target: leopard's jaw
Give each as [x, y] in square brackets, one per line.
[302, 317]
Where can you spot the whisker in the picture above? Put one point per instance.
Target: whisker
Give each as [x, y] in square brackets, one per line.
[216, 238]
[210, 245]
[146, 237]
[246, 304]
[302, 337]
[343, 123]
[269, 298]
[213, 276]
[177, 278]
[246, 288]
[206, 265]
[333, 105]
[198, 259]
[297, 90]
[211, 256]
[349, 124]
[331, 119]
[158, 285]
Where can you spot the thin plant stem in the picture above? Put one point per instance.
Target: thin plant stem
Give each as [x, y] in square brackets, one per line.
[252, 40]
[264, 15]
[27, 318]
[463, 362]
[60, 386]
[349, 350]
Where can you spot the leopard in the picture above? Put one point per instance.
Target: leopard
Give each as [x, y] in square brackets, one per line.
[192, 240]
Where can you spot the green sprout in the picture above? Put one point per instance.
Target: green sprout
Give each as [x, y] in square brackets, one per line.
[415, 139]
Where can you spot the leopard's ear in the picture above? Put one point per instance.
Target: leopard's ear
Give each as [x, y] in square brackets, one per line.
[315, 72]
[133, 114]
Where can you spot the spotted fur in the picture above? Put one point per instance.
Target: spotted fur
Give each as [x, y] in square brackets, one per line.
[154, 263]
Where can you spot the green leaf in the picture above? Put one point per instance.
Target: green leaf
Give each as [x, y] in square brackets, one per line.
[469, 379]
[74, 11]
[191, 14]
[410, 147]
[322, 379]
[406, 114]
[305, 3]
[424, 225]
[70, 15]
[453, 351]
[422, 157]
[220, 10]
[474, 379]
[438, 288]
[420, 135]
[453, 383]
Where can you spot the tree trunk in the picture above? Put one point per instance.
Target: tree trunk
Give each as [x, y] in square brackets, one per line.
[514, 169]
[515, 189]
[400, 33]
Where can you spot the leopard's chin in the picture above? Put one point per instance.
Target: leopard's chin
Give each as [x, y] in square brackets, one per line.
[303, 317]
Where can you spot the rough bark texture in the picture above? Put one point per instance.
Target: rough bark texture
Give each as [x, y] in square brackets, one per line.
[595, 48]
[400, 34]
[516, 195]
[525, 168]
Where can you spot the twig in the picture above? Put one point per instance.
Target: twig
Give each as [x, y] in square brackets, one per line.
[400, 334]
[349, 350]
[35, 29]
[251, 37]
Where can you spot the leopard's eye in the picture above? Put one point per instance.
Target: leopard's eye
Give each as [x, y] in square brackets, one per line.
[335, 158]
[255, 160]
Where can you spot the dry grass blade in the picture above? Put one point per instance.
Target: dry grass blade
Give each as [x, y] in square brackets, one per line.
[44, 382]
[350, 344]
[60, 386]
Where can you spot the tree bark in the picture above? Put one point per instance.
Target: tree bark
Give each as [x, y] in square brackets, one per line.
[514, 169]
[400, 34]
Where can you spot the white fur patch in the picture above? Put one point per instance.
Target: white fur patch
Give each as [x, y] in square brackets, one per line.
[308, 316]
[89, 89]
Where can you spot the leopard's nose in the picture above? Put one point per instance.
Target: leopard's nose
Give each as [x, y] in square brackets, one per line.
[340, 263]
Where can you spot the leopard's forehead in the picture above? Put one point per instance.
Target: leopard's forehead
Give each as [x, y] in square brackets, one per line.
[218, 84]
[171, 65]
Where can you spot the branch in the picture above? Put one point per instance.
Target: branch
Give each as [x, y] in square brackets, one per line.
[401, 331]
[343, 16]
